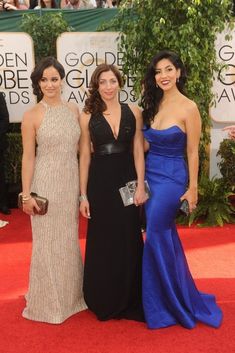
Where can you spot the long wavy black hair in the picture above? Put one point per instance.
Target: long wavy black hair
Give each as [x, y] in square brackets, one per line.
[152, 95]
[94, 103]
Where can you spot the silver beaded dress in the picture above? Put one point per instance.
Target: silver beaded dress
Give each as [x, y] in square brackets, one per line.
[56, 271]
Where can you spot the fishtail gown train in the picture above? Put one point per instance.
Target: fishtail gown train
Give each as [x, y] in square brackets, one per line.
[169, 293]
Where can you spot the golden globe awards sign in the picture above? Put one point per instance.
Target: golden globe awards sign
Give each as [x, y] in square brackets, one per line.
[80, 54]
[224, 82]
[223, 113]
[16, 65]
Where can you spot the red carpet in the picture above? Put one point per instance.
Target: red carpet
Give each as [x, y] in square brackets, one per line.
[210, 253]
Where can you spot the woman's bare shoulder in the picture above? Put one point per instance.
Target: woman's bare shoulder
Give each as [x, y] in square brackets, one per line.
[135, 109]
[85, 115]
[73, 107]
[189, 104]
[32, 114]
[85, 118]
[191, 111]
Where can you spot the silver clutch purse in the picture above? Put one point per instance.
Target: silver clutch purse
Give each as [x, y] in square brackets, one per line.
[127, 192]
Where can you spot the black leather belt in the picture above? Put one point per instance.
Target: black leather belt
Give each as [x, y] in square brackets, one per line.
[110, 148]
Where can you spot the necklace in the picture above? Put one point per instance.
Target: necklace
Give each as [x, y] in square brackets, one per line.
[115, 109]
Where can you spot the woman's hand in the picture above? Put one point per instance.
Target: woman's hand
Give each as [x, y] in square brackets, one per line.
[191, 196]
[146, 145]
[9, 7]
[85, 208]
[231, 131]
[30, 206]
[140, 196]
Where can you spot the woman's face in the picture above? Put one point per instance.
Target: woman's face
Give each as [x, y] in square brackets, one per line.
[50, 83]
[11, 2]
[47, 3]
[108, 85]
[166, 74]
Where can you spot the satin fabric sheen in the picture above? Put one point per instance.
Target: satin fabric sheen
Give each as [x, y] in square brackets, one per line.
[169, 293]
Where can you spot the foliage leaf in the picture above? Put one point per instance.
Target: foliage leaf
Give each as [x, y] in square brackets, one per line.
[44, 30]
[188, 27]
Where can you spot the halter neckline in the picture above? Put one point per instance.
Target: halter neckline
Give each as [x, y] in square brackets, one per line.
[46, 105]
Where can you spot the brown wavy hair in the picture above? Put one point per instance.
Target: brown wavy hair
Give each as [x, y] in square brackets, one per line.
[94, 103]
[37, 73]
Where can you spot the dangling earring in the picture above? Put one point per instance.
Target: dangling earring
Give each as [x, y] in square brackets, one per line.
[177, 80]
[156, 85]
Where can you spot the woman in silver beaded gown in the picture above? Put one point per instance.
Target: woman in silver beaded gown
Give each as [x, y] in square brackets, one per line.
[56, 272]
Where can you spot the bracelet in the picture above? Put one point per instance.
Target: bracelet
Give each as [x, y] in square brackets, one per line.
[25, 198]
[25, 201]
[83, 198]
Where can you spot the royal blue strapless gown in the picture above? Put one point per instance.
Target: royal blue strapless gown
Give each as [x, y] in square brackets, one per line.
[169, 293]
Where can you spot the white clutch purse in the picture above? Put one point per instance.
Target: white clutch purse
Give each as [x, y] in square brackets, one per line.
[127, 192]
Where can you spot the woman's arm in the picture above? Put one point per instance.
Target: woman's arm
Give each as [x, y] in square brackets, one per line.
[84, 163]
[146, 146]
[28, 160]
[193, 131]
[138, 151]
[9, 7]
[75, 109]
[231, 131]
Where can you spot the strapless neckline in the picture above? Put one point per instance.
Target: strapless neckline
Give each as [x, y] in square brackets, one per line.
[168, 128]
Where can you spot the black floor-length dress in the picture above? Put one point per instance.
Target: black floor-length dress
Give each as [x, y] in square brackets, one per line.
[112, 272]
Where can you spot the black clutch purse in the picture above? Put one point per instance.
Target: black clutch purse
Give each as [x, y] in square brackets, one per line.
[184, 207]
[42, 203]
[127, 192]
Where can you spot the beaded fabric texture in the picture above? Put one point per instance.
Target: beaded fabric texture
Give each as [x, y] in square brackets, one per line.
[56, 272]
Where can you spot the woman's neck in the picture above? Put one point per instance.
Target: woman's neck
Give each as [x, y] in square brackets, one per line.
[52, 101]
[112, 104]
[170, 95]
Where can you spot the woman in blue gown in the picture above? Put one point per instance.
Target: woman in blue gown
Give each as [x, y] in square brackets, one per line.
[172, 127]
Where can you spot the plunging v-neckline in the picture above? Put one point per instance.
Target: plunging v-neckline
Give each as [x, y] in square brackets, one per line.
[110, 128]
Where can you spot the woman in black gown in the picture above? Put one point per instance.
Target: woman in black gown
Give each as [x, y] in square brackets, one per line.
[112, 272]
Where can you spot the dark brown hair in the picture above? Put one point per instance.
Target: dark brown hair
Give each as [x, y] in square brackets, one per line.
[37, 73]
[53, 4]
[94, 102]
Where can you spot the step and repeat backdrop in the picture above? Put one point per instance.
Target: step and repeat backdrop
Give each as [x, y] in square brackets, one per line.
[223, 112]
[16, 64]
[80, 53]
